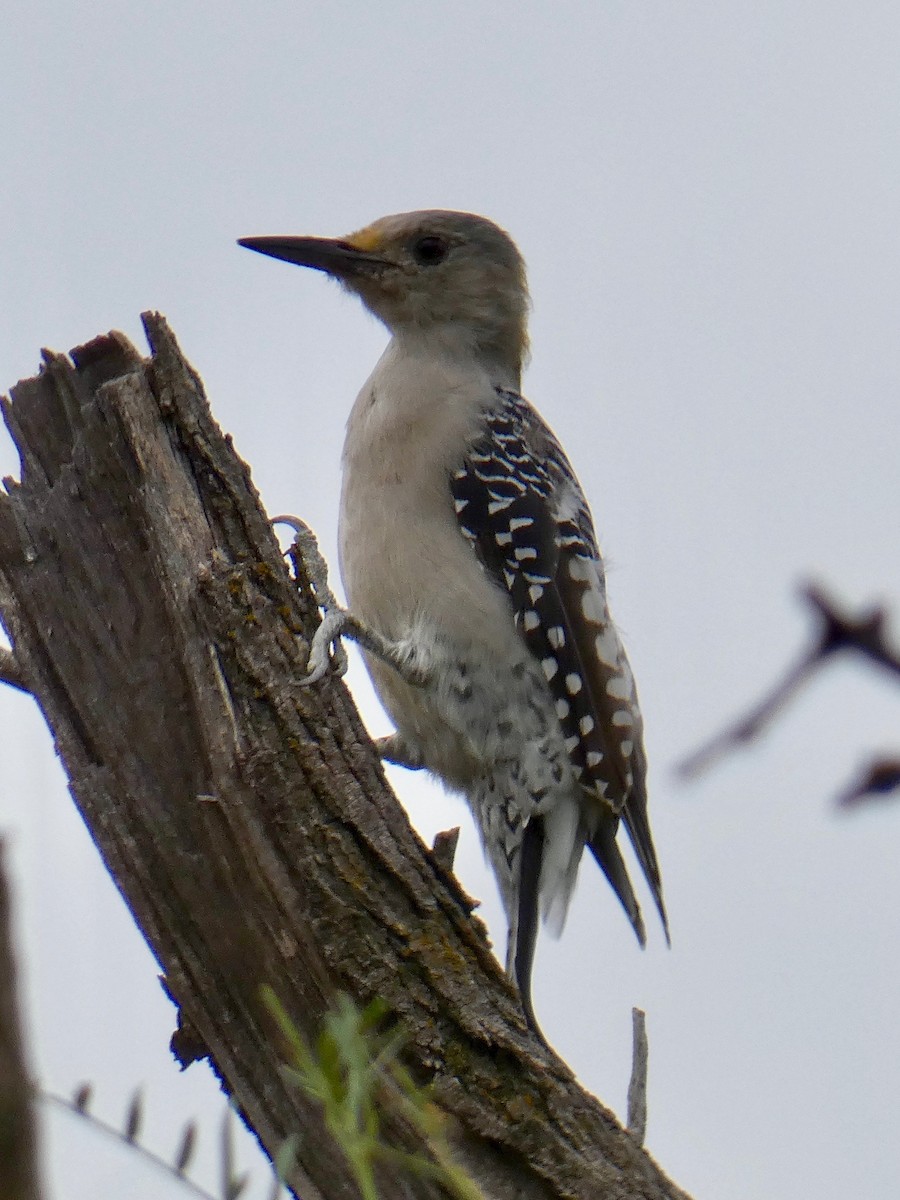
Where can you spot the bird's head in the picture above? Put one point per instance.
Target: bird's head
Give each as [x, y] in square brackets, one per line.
[450, 276]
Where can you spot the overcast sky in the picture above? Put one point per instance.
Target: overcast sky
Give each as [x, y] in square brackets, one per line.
[707, 197]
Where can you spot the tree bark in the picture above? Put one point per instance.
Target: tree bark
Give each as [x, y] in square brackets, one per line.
[245, 819]
[18, 1143]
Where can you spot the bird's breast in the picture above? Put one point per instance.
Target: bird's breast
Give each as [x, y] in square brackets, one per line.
[401, 550]
[407, 569]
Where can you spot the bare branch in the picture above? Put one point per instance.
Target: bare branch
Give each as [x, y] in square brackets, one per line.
[637, 1087]
[176, 1168]
[877, 781]
[752, 724]
[9, 670]
[443, 848]
[866, 632]
[838, 630]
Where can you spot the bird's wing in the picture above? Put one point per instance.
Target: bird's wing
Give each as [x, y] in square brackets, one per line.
[519, 503]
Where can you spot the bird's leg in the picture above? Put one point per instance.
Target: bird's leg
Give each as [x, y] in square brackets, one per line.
[395, 749]
[317, 572]
[337, 622]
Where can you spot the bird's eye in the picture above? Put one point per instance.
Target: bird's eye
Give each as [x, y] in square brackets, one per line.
[430, 249]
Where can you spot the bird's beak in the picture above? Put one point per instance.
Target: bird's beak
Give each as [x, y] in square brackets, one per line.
[336, 257]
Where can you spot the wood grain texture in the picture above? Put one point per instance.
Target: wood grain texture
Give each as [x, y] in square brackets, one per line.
[246, 820]
[18, 1142]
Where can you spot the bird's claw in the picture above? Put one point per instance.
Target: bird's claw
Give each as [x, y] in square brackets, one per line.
[327, 650]
[326, 653]
[307, 547]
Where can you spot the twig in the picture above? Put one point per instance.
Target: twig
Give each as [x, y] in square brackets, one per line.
[637, 1087]
[838, 630]
[876, 782]
[10, 671]
[443, 848]
[752, 724]
[174, 1169]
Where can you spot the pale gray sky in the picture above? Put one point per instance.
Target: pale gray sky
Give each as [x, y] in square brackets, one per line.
[707, 197]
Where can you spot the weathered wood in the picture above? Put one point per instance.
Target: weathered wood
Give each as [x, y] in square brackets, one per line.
[246, 820]
[9, 670]
[18, 1143]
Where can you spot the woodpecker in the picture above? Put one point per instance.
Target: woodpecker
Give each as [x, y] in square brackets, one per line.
[473, 575]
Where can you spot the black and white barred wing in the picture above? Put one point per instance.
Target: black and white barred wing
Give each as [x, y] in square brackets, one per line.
[519, 503]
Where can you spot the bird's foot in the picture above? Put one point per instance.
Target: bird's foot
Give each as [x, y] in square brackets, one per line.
[326, 651]
[399, 655]
[395, 749]
[307, 547]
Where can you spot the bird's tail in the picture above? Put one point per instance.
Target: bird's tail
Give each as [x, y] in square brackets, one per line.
[609, 859]
[525, 932]
[637, 823]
